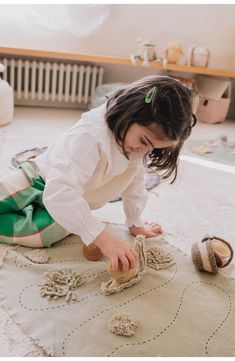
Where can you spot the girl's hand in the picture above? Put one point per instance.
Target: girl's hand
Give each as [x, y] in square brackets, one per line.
[116, 251]
[151, 229]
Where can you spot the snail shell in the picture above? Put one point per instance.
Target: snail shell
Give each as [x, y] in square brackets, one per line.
[119, 275]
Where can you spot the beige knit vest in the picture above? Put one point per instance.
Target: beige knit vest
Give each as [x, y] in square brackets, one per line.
[102, 188]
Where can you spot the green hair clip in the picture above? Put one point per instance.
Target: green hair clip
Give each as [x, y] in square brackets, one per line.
[149, 97]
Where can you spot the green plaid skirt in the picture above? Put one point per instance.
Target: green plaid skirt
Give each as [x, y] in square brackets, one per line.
[24, 219]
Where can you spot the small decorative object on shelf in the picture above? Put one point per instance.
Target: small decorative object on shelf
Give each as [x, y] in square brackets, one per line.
[146, 52]
[198, 56]
[172, 53]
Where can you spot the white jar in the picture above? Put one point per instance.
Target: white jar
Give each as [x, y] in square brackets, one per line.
[6, 101]
[199, 56]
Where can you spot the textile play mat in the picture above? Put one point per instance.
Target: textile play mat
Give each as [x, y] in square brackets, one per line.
[175, 310]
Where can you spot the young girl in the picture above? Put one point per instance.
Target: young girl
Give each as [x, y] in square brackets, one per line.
[143, 124]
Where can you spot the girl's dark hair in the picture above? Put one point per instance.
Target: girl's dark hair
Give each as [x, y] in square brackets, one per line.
[171, 108]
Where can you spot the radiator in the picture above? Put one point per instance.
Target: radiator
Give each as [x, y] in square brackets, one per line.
[44, 83]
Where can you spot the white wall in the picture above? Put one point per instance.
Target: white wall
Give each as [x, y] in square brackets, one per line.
[212, 26]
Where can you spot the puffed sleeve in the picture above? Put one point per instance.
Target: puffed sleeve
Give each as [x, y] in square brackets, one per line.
[76, 159]
[134, 200]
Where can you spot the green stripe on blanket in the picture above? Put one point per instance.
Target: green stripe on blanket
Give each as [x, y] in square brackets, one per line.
[23, 218]
[20, 199]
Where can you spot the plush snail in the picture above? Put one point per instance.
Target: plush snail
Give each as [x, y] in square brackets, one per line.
[211, 253]
[120, 280]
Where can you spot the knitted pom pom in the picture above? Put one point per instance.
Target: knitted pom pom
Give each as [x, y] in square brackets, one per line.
[122, 324]
[37, 256]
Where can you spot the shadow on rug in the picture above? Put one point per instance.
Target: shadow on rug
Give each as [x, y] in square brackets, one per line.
[175, 311]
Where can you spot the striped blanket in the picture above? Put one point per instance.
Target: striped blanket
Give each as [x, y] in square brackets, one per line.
[24, 219]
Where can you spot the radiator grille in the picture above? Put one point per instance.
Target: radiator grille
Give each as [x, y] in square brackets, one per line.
[52, 83]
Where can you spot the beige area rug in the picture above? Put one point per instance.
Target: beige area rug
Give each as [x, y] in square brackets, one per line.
[180, 311]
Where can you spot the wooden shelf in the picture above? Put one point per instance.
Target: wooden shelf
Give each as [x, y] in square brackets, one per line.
[114, 60]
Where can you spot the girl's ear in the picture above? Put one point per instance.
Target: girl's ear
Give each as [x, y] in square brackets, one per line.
[194, 120]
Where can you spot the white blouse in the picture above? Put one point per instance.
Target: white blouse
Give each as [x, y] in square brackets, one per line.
[83, 170]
